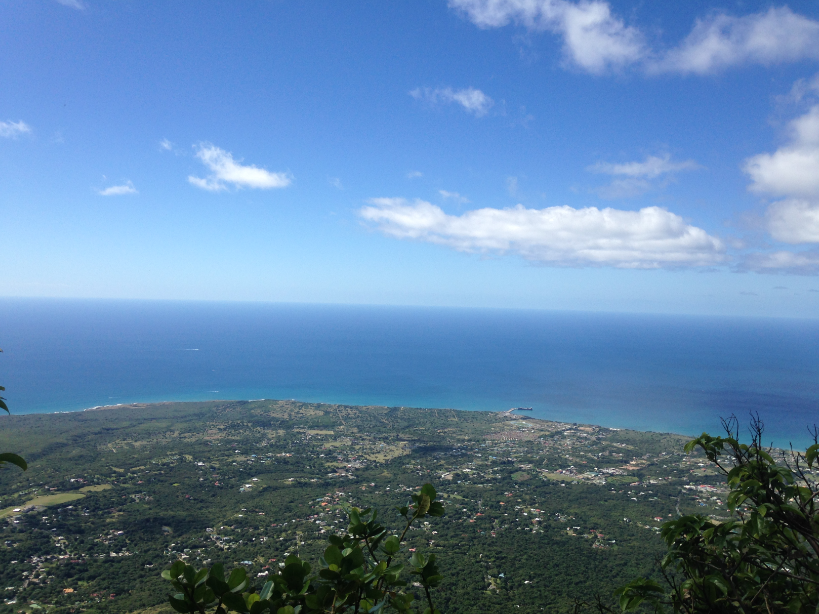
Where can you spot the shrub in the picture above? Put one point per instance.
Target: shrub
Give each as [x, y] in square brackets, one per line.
[358, 573]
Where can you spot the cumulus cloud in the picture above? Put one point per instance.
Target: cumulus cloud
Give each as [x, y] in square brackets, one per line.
[471, 99]
[794, 221]
[12, 129]
[720, 41]
[635, 178]
[118, 190]
[597, 40]
[593, 38]
[791, 171]
[563, 236]
[226, 171]
[166, 145]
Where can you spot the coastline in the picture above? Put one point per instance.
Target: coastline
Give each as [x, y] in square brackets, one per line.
[504, 413]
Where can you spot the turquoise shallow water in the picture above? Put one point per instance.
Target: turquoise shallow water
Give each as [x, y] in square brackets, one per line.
[661, 373]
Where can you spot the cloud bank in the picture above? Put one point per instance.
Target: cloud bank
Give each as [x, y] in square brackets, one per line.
[225, 172]
[596, 40]
[791, 174]
[563, 236]
[471, 99]
[792, 171]
[10, 129]
[792, 263]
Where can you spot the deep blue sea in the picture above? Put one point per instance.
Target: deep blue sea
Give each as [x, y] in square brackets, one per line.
[649, 372]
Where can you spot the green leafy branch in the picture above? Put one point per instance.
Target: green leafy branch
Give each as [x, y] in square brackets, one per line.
[765, 558]
[8, 457]
[357, 573]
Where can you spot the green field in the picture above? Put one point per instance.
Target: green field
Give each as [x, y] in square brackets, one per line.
[42, 501]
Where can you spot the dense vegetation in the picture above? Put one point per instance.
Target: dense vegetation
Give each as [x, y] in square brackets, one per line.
[765, 557]
[539, 514]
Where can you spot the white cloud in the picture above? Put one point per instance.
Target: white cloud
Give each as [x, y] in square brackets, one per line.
[453, 196]
[776, 36]
[597, 40]
[166, 145]
[791, 171]
[118, 190]
[793, 263]
[794, 221]
[12, 129]
[593, 38]
[225, 170]
[414, 175]
[512, 185]
[74, 4]
[651, 168]
[802, 89]
[335, 182]
[630, 187]
[471, 99]
[634, 178]
[564, 236]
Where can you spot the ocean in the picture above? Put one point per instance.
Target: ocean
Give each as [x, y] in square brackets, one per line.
[649, 372]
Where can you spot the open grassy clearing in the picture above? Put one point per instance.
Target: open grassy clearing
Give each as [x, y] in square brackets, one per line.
[44, 501]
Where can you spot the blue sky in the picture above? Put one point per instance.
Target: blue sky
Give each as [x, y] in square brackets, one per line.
[613, 156]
